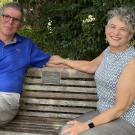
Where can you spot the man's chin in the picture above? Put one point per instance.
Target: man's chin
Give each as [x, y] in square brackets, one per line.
[8, 34]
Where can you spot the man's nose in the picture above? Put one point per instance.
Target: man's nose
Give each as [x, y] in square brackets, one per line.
[11, 21]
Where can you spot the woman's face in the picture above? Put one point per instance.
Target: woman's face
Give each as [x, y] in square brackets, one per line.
[117, 34]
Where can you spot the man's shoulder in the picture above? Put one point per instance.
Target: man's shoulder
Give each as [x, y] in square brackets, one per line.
[24, 41]
[22, 38]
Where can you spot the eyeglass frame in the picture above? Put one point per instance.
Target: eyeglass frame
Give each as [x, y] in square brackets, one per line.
[7, 17]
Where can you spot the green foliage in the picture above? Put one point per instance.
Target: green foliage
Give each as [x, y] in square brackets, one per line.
[4, 1]
[70, 28]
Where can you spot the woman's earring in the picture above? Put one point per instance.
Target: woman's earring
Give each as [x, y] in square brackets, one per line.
[106, 40]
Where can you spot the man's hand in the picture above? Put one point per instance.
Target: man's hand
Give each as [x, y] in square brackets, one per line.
[75, 128]
[56, 61]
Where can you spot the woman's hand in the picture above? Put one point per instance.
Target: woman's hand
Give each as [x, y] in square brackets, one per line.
[56, 59]
[75, 127]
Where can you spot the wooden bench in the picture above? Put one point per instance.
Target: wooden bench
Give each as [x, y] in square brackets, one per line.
[51, 97]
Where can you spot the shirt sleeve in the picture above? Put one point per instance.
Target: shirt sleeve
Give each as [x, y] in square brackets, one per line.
[38, 58]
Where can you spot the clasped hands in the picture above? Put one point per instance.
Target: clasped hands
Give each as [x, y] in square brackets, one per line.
[56, 61]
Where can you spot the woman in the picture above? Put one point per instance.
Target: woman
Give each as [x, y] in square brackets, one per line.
[115, 81]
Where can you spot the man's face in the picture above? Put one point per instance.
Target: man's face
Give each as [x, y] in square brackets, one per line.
[10, 21]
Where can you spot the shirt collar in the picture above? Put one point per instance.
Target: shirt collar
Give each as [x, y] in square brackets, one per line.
[16, 38]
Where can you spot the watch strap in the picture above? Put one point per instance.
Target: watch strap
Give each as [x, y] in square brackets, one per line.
[90, 124]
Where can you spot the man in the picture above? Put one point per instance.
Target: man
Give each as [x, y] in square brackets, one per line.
[17, 53]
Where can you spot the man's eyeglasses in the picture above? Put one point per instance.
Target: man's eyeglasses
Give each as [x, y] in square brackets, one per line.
[8, 18]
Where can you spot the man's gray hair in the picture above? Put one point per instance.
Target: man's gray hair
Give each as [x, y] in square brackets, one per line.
[14, 5]
[126, 15]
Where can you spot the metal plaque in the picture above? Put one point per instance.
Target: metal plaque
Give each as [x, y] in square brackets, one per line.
[49, 77]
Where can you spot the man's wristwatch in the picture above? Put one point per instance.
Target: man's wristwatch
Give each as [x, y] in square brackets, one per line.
[90, 124]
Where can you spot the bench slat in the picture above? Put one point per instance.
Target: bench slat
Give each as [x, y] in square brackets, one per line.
[57, 95]
[44, 120]
[48, 114]
[59, 102]
[59, 88]
[11, 132]
[62, 82]
[55, 108]
[65, 72]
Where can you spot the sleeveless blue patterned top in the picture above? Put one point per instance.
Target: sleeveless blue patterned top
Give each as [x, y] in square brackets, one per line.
[106, 78]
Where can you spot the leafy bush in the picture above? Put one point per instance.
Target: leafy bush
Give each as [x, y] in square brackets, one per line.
[70, 28]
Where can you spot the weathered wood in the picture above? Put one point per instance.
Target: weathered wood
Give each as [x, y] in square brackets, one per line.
[59, 102]
[59, 88]
[17, 133]
[33, 126]
[48, 114]
[90, 83]
[65, 72]
[51, 97]
[59, 95]
[55, 108]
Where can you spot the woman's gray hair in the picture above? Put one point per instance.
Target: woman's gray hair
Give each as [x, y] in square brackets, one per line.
[126, 15]
[14, 5]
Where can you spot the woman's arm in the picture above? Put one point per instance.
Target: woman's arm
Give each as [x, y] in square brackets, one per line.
[125, 95]
[85, 66]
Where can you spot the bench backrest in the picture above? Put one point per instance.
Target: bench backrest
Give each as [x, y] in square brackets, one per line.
[57, 92]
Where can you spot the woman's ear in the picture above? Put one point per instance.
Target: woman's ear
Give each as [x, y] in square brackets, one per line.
[105, 28]
[130, 36]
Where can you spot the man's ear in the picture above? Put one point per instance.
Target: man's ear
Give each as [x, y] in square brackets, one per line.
[20, 26]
